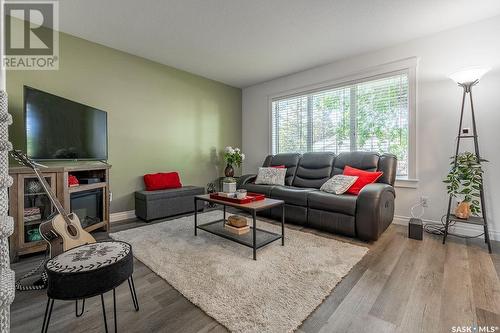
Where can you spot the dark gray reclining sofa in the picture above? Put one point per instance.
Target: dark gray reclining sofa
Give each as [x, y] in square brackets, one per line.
[364, 216]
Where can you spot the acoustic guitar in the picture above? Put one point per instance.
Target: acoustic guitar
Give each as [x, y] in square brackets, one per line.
[62, 231]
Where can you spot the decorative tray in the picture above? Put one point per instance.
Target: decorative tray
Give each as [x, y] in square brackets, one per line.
[251, 197]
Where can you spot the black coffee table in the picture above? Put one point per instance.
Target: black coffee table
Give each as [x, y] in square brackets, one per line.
[258, 237]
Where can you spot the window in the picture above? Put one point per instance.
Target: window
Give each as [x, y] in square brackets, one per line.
[370, 115]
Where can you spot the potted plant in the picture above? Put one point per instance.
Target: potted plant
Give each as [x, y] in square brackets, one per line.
[232, 156]
[463, 182]
[229, 185]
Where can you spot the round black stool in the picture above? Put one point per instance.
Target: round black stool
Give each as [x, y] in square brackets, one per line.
[86, 271]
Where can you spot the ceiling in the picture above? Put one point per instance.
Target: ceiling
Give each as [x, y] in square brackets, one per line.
[244, 42]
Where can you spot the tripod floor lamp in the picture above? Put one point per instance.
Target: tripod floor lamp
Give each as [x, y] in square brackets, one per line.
[467, 79]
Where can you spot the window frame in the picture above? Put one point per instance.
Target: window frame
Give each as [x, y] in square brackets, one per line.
[408, 66]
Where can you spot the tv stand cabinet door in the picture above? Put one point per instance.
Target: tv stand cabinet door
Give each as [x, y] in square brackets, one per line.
[33, 208]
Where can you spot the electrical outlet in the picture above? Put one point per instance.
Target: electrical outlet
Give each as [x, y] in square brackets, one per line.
[110, 196]
[424, 200]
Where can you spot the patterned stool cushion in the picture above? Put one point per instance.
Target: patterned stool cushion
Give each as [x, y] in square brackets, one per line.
[89, 270]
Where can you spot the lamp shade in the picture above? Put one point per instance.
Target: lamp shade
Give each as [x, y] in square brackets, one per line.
[468, 75]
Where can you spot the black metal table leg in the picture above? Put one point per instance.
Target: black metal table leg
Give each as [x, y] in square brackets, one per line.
[133, 293]
[283, 225]
[104, 314]
[445, 234]
[45, 315]
[48, 313]
[114, 310]
[195, 217]
[76, 308]
[254, 236]
[224, 216]
[487, 235]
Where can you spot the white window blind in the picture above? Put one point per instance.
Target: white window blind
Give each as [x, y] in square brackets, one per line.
[371, 115]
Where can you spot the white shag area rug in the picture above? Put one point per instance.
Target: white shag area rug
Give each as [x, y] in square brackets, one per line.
[276, 293]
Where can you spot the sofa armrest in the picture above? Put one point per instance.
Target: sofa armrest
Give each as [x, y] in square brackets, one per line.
[374, 210]
[245, 179]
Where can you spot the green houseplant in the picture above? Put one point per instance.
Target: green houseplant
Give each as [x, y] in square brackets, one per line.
[464, 180]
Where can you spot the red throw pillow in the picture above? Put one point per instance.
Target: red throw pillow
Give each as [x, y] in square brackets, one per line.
[278, 166]
[364, 178]
[162, 181]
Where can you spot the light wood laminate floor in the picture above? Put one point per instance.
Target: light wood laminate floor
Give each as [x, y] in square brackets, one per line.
[401, 285]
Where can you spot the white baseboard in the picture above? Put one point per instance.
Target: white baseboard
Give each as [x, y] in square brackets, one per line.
[459, 228]
[129, 214]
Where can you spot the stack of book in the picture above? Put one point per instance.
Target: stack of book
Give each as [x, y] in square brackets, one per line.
[32, 214]
[237, 225]
[237, 230]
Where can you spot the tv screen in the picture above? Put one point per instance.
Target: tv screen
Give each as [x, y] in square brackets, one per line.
[60, 129]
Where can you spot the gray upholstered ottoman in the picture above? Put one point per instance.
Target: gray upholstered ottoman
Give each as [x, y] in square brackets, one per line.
[150, 205]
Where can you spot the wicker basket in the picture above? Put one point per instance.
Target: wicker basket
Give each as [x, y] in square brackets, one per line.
[237, 221]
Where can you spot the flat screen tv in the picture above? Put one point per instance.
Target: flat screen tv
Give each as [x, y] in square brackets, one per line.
[60, 129]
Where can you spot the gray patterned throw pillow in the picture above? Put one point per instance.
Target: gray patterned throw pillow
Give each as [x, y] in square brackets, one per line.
[338, 184]
[271, 176]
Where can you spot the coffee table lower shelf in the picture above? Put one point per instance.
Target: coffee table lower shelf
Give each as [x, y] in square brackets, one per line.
[263, 237]
[255, 238]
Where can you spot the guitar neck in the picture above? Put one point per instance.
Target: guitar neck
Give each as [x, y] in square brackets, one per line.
[52, 196]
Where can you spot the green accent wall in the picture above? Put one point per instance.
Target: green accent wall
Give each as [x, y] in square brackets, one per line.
[159, 118]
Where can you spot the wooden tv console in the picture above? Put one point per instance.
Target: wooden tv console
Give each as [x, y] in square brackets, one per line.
[29, 206]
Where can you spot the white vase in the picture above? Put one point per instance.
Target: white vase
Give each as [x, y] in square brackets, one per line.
[228, 187]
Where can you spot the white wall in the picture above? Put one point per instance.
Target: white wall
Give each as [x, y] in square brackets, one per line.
[438, 102]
